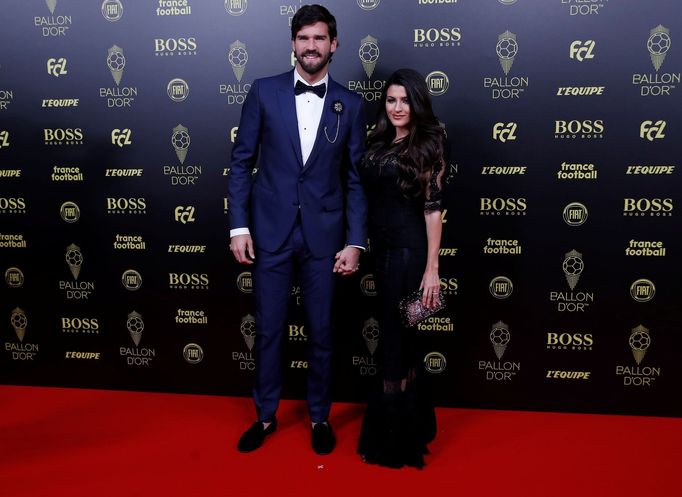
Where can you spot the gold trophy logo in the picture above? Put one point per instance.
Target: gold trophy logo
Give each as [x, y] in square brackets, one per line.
[499, 337]
[19, 323]
[506, 49]
[370, 332]
[180, 140]
[238, 57]
[74, 258]
[51, 4]
[658, 45]
[116, 62]
[573, 265]
[248, 329]
[135, 327]
[639, 342]
[369, 54]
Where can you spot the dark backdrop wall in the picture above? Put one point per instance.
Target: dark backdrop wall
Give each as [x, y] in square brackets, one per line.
[560, 253]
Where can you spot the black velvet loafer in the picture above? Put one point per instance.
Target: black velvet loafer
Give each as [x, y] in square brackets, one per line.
[255, 436]
[323, 440]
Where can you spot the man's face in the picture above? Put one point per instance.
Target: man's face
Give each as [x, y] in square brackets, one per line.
[313, 48]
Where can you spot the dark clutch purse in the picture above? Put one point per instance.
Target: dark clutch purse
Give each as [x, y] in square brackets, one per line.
[412, 311]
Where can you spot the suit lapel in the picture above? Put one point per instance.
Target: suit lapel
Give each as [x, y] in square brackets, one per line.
[287, 104]
[327, 120]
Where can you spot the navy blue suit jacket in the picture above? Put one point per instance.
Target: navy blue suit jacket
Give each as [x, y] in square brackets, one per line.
[327, 189]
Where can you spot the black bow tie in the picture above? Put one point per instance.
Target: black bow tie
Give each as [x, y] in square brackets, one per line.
[318, 90]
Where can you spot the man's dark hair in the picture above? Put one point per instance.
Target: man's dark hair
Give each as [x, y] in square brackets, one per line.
[311, 14]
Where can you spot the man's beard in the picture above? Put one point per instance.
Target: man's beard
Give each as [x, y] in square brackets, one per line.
[312, 67]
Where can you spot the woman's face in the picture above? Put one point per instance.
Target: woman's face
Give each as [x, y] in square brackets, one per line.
[398, 109]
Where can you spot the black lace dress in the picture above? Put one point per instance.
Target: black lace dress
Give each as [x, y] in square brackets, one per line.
[400, 419]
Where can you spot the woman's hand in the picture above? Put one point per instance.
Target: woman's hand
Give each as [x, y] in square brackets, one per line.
[430, 287]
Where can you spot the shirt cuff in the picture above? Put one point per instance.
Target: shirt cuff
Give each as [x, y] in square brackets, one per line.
[362, 249]
[239, 231]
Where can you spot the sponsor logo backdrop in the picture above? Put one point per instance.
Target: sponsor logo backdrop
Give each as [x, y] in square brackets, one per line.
[560, 254]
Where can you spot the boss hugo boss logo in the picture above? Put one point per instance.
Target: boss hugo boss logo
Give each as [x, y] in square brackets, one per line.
[164, 47]
[436, 37]
[13, 205]
[497, 206]
[569, 341]
[576, 129]
[659, 207]
[63, 136]
[126, 205]
[188, 281]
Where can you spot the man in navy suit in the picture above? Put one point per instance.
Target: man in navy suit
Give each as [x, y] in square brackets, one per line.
[304, 212]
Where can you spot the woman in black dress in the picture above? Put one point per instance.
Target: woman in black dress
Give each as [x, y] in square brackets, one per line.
[402, 172]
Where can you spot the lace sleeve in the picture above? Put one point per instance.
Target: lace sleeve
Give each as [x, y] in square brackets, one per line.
[434, 190]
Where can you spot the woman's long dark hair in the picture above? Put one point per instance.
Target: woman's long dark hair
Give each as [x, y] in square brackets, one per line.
[423, 147]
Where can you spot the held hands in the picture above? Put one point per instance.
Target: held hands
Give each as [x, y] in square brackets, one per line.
[242, 249]
[431, 287]
[347, 261]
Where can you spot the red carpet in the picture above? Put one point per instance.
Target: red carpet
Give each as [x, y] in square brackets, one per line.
[67, 442]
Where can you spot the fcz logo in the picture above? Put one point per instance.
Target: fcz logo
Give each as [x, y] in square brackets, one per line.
[581, 50]
[56, 67]
[4, 138]
[184, 214]
[121, 137]
[652, 131]
[504, 132]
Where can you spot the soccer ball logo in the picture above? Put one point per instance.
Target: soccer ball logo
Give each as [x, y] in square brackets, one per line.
[248, 329]
[19, 323]
[180, 140]
[573, 265]
[658, 43]
[19, 320]
[116, 61]
[499, 337]
[369, 52]
[370, 332]
[135, 327]
[74, 258]
[507, 48]
[639, 342]
[238, 56]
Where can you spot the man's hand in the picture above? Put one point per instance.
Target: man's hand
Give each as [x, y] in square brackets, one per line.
[242, 249]
[347, 261]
